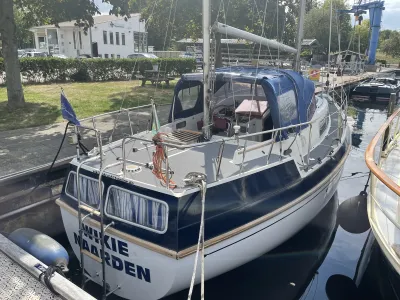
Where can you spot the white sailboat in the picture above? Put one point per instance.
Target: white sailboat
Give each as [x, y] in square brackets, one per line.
[251, 153]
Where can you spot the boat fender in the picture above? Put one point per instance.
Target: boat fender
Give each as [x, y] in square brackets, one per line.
[41, 246]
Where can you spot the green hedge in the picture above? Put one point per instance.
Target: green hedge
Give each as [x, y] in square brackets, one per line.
[51, 69]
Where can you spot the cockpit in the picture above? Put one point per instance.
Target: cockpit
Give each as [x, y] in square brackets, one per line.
[255, 102]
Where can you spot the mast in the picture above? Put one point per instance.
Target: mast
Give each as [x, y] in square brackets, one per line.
[300, 34]
[330, 39]
[206, 69]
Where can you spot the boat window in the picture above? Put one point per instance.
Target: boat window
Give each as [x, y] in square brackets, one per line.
[189, 97]
[312, 108]
[235, 89]
[89, 189]
[137, 210]
[287, 107]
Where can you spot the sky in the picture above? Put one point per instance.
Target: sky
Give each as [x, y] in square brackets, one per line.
[390, 17]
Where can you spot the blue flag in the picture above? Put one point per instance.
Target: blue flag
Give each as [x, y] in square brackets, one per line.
[67, 111]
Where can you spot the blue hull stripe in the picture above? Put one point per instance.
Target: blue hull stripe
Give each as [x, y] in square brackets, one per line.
[323, 189]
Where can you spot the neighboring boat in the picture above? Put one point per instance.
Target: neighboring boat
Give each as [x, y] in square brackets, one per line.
[376, 90]
[383, 159]
[251, 154]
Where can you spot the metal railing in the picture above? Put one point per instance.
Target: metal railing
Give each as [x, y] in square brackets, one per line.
[276, 134]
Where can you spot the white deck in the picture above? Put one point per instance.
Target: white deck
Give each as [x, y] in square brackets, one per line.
[199, 159]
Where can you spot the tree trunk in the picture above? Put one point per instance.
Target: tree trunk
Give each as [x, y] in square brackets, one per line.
[11, 62]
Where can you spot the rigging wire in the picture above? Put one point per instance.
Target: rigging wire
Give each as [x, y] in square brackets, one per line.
[277, 27]
[229, 61]
[257, 67]
[165, 42]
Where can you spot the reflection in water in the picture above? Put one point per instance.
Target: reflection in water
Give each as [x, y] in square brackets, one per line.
[357, 133]
[352, 214]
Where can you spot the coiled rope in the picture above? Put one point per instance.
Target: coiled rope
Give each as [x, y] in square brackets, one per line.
[48, 274]
[160, 162]
[199, 180]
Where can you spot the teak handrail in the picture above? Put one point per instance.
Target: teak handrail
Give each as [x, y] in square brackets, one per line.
[369, 156]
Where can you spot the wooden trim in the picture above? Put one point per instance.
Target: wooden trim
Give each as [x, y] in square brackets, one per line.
[89, 209]
[369, 156]
[92, 256]
[120, 234]
[210, 242]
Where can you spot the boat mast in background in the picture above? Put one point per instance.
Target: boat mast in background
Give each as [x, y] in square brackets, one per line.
[330, 40]
[300, 34]
[206, 69]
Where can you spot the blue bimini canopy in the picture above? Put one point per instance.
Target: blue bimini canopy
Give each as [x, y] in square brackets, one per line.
[288, 93]
[289, 96]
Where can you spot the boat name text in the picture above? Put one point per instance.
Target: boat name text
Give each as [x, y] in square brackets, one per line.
[116, 246]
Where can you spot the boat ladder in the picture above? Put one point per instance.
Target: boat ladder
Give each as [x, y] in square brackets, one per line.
[85, 212]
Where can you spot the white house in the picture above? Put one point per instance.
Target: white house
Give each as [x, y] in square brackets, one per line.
[110, 37]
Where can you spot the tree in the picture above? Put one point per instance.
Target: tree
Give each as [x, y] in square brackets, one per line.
[52, 11]
[317, 21]
[384, 35]
[23, 22]
[361, 34]
[183, 18]
[391, 46]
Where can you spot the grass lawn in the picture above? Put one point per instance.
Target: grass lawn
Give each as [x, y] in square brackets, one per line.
[88, 99]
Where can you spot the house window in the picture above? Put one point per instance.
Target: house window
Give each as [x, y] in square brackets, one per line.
[42, 42]
[123, 38]
[105, 55]
[117, 38]
[112, 55]
[105, 37]
[118, 56]
[111, 38]
[74, 38]
[140, 39]
[80, 40]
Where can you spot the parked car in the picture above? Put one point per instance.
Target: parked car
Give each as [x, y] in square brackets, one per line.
[84, 56]
[187, 55]
[34, 54]
[21, 52]
[142, 55]
[60, 55]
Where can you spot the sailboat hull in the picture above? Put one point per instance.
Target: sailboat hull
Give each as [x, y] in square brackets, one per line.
[142, 273]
